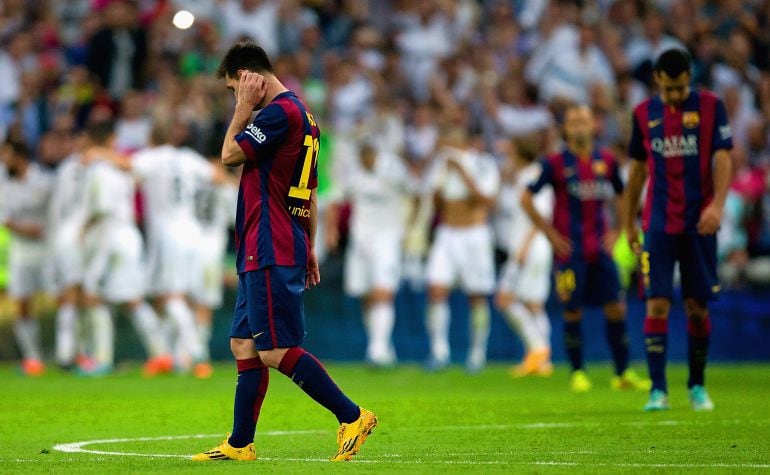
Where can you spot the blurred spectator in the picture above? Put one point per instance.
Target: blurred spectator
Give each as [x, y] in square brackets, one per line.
[133, 127]
[253, 19]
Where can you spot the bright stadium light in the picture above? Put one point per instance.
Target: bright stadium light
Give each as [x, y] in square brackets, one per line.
[183, 19]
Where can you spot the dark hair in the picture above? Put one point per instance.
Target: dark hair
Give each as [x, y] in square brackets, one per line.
[528, 147]
[18, 147]
[673, 62]
[99, 131]
[244, 55]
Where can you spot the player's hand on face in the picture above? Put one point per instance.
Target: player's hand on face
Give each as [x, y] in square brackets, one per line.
[251, 88]
[710, 218]
[313, 276]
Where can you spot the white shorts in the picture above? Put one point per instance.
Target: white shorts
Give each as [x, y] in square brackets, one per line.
[67, 261]
[171, 266]
[114, 269]
[463, 256]
[531, 281]
[27, 269]
[208, 287]
[373, 263]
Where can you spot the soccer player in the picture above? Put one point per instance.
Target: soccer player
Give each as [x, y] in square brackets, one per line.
[681, 140]
[585, 179]
[526, 277]
[24, 202]
[378, 188]
[465, 185]
[276, 261]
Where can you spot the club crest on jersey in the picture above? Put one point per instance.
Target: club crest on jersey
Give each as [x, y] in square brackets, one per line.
[676, 146]
[255, 132]
[690, 119]
[599, 168]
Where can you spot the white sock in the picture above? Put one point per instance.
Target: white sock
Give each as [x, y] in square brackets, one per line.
[66, 334]
[480, 325]
[147, 326]
[438, 330]
[184, 323]
[204, 336]
[526, 326]
[103, 335]
[27, 331]
[382, 320]
[544, 325]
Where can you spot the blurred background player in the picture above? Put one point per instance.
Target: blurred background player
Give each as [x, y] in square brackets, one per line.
[379, 187]
[465, 185]
[681, 140]
[584, 178]
[24, 202]
[114, 271]
[525, 281]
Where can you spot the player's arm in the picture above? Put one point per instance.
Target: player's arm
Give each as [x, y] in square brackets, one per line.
[637, 176]
[313, 276]
[251, 91]
[722, 174]
[25, 229]
[476, 193]
[561, 244]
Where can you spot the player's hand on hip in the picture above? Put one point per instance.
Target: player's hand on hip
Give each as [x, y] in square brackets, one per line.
[632, 236]
[710, 218]
[313, 276]
[251, 89]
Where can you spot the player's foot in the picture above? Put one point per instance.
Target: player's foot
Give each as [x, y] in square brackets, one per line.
[532, 363]
[158, 365]
[475, 365]
[96, 370]
[225, 451]
[699, 399]
[351, 436]
[32, 367]
[545, 370]
[579, 381]
[658, 401]
[434, 365]
[202, 370]
[630, 380]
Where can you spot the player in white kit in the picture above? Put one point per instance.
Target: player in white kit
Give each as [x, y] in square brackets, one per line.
[24, 198]
[466, 183]
[525, 279]
[378, 188]
[114, 272]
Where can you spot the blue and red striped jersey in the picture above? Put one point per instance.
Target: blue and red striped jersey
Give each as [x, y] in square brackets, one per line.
[582, 187]
[272, 221]
[678, 144]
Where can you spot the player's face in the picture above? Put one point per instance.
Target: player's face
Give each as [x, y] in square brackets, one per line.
[673, 91]
[579, 125]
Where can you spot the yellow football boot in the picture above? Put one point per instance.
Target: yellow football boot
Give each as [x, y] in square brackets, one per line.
[630, 380]
[579, 381]
[351, 436]
[225, 451]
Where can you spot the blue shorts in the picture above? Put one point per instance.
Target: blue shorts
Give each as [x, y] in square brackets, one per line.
[269, 307]
[580, 283]
[697, 256]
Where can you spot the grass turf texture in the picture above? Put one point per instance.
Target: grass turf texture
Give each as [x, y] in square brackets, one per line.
[447, 421]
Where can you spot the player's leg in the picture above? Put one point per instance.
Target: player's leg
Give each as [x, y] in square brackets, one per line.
[26, 328]
[357, 283]
[477, 278]
[570, 288]
[699, 285]
[657, 265]
[440, 276]
[382, 319]
[66, 327]
[519, 318]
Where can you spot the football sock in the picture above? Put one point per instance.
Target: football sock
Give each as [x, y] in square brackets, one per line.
[438, 330]
[618, 341]
[544, 325]
[27, 332]
[526, 325]
[480, 326]
[103, 335]
[147, 326]
[382, 318]
[655, 342]
[66, 334]
[184, 324]
[253, 378]
[308, 373]
[573, 339]
[698, 336]
[204, 335]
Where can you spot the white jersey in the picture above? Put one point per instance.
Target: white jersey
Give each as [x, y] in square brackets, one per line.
[215, 211]
[67, 212]
[169, 177]
[544, 203]
[378, 197]
[110, 195]
[481, 168]
[26, 201]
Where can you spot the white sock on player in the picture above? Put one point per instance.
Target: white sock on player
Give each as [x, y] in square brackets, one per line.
[526, 326]
[544, 325]
[480, 326]
[27, 332]
[204, 335]
[184, 324]
[147, 326]
[438, 331]
[66, 334]
[382, 319]
[103, 335]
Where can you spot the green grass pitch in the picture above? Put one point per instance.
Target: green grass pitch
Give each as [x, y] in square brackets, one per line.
[428, 423]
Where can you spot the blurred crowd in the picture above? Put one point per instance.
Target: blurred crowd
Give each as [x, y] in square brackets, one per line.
[398, 71]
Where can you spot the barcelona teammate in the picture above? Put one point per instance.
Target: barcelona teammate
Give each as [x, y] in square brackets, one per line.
[585, 179]
[275, 233]
[681, 141]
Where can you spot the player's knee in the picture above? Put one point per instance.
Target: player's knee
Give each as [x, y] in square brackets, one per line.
[380, 296]
[615, 311]
[272, 358]
[243, 349]
[437, 294]
[696, 310]
[658, 308]
[534, 308]
[573, 315]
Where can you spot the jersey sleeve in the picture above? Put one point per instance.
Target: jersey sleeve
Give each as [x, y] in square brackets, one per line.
[264, 134]
[636, 146]
[545, 178]
[723, 137]
[142, 165]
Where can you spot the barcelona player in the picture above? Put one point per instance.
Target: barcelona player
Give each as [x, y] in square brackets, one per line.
[276, 261]
[585, 180]
[681, 140]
